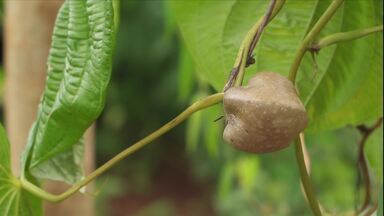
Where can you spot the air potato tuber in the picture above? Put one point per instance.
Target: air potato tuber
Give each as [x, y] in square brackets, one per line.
[264, 116]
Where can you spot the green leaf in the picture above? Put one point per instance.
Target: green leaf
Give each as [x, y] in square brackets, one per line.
[16, 201]
[13, 199]
[311, 71]
[79, 68]
[202, 26]
[350, 89]
[213, 34]
[346, 89]
[66, 166]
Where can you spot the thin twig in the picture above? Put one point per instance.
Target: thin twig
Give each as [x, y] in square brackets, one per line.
[198, 105]
[305, 180]
[232, 77]
[370, 211]
[261, 29]
[362, 162]
[252, 44]
[315, 65]
[311, 36]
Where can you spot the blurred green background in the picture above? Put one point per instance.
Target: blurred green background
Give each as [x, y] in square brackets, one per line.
[191, 170]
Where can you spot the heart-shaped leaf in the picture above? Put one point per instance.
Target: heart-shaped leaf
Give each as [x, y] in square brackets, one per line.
[79, 68]
[13, 199]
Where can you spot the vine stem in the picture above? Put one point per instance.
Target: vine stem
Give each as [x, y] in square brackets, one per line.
[116, 14]
[309, 38]
[249, 43]
[345, 36]
[199, 105]
[306, 182]
[253, 37]
[363, 164]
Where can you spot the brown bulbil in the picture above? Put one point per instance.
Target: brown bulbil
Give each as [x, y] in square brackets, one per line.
[264, 116]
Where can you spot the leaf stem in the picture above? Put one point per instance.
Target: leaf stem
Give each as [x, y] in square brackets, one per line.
[116, 14]
[344, 36]
[306, 182]
[311, 36]
[199, 105]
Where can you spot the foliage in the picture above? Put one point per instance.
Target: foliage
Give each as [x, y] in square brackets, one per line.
[14, 200]
[335, 95]
[331, 85]
[79, 68]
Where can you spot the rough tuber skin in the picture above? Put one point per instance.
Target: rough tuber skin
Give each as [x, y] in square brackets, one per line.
[264, 116]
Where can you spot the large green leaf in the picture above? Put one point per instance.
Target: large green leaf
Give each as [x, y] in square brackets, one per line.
[202, 24]
[79, 68]
[13, 199]
[213, 33]
[346, 89]
[350, 89]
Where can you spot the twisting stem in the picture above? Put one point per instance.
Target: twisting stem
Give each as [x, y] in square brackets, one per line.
[362, 162]
[263, 24]
[199, 105]
[344, 36]
[249, 43]
[306, 182]
[311, 36]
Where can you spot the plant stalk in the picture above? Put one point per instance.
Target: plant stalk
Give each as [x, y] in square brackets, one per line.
[199, 105]
[116, 14]
[248, 44]
[306, 182]
[363, 164]
[311, 36]
[345, 36]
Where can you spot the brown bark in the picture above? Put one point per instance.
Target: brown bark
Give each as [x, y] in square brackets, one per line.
[28, 29]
